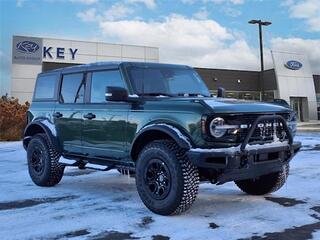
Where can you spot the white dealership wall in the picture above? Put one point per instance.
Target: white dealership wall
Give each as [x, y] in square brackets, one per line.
[295, 83]
[25, 69]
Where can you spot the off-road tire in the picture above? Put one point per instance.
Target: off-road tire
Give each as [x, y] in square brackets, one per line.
[184, 178]
[52, 170]
[265, 184]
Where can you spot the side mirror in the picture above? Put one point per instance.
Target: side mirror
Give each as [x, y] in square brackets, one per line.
[221, 92]
[116, 94]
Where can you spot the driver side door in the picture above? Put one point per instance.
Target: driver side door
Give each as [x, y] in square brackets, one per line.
[104, 132]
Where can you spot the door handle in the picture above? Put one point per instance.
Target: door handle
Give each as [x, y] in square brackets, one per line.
[57, 115]
[89, 116]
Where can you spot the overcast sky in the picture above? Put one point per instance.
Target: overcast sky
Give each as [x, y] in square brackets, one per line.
[202, 33]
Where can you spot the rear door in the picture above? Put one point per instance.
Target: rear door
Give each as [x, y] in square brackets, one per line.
[68, 112]
[104, 128]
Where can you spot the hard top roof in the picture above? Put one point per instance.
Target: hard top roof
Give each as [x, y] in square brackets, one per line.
[108, 65]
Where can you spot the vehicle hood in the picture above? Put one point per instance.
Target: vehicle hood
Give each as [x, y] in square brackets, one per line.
[227, 105]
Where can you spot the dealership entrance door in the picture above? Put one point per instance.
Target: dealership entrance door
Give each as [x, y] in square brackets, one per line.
[300, 106]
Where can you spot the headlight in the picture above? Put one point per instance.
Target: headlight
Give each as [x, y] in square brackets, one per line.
[216, 127]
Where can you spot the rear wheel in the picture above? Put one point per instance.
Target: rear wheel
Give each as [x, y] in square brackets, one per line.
[43, 161]
[265, 184]
[166, 180]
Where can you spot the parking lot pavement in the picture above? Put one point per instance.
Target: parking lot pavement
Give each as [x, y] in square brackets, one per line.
[105, 205]
[311, 126]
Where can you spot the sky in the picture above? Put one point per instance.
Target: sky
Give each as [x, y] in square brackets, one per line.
[200, 33]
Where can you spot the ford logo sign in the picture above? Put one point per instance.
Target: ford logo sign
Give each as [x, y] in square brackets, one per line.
[27, 47]
[293, 65]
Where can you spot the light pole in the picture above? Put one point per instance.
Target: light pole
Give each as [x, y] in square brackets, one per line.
[261, 23]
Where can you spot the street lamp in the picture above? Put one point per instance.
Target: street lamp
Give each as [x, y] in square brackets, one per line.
[261, 23]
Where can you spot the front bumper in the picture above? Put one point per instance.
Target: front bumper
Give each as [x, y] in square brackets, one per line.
[234, 164]
[246, 161]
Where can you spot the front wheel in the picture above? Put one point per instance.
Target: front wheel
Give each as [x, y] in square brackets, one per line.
[265, 184]
[166, 180]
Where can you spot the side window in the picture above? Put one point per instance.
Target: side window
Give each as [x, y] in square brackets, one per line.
[45, 87]
[102, 79]
[72, 88]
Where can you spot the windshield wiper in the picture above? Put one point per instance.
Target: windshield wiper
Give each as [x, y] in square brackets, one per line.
[156, 94]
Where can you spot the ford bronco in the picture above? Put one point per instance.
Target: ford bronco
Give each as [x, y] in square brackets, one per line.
[160, 123]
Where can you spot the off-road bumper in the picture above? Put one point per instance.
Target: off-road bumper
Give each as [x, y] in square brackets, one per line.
[247, 161]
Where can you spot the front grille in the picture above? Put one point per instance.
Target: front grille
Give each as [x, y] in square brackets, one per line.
[265, 130]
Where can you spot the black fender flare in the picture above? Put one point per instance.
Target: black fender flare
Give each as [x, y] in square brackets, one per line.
[47, 127]
[181, 138]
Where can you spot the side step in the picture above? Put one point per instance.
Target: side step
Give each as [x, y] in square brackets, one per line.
[97, 167]
[84, 165]
[68, 162]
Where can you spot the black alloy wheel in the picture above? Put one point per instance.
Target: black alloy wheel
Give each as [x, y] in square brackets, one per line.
[158, 179]
[37, 160]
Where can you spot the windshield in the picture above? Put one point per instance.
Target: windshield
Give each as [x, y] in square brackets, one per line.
[168, 81]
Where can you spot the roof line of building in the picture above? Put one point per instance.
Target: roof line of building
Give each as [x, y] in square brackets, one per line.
[73, 40]
[280, 51]
[234, 70]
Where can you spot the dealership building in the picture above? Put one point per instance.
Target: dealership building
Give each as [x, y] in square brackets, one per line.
[291, 78]
[32, 55]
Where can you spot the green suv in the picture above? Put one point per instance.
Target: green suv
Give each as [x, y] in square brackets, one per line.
[159, 123]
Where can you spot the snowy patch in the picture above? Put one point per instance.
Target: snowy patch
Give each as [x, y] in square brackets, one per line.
[106, 204]
[237, 148]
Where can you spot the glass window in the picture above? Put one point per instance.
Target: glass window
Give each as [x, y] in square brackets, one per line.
[72, 89]
[250, 95]
[102, 79]
[269, 96]
[45, 87]
[167, 80]
[186, 82]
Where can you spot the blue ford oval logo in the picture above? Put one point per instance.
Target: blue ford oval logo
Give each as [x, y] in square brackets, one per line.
[293, 65]
[27, 47]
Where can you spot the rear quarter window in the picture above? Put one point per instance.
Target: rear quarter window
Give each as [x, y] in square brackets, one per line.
[46, 87]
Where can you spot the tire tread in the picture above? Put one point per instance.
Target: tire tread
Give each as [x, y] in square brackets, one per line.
[56, 169]
[190, 175]
[266, 184]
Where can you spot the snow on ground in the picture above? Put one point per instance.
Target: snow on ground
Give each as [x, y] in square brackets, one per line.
[105, 205]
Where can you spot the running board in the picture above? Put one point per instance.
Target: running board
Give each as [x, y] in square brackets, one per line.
[97, 167]
[68, 162]
[84, 165]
